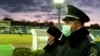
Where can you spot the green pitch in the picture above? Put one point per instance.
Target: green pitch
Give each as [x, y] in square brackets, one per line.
[15, 38]
[6, 50]
[6, 39]
[97, 39]
[19, 39]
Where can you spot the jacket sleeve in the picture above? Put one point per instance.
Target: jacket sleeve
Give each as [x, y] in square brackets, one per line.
[90, 51]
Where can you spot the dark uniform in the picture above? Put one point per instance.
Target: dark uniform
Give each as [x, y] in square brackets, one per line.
[52, 49]
[77, 44]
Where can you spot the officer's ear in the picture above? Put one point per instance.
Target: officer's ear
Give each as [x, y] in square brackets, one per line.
[78, 24]
[65, 22]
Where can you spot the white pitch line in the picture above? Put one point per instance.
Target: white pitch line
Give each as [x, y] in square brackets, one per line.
[12, 46]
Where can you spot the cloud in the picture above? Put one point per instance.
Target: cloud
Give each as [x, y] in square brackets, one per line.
[44, 8]
[87, 3]
[16, 2]
[41, 5]
[25, 5]
[16, 5]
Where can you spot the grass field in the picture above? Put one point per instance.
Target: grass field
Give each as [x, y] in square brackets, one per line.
[19, 39]
[6, 50]
[15, 38]
[97, 39]
[7, 39]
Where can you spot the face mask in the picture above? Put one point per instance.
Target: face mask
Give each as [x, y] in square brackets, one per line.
[66, 29]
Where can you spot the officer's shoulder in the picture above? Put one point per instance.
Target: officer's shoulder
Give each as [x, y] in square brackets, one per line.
[93, 51]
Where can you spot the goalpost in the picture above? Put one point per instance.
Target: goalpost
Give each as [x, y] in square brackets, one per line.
[39, 38]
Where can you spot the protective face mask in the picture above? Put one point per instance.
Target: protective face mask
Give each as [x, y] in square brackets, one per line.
[66, 30]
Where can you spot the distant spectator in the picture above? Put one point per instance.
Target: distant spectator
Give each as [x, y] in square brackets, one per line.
[51, 49]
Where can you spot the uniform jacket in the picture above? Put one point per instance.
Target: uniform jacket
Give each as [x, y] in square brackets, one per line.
[77, 44]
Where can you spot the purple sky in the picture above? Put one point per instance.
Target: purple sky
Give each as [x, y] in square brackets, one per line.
[31, 10]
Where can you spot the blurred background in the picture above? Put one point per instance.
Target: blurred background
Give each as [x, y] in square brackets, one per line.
[18, 17]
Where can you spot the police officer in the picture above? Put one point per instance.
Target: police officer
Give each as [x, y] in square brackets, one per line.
[53, 45]
[77, 42]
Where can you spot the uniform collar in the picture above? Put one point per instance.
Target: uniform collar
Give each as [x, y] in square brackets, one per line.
[78, 36]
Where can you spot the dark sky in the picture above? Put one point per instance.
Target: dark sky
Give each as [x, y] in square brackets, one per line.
[40, 5]
[25, 5]
[45, 8]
